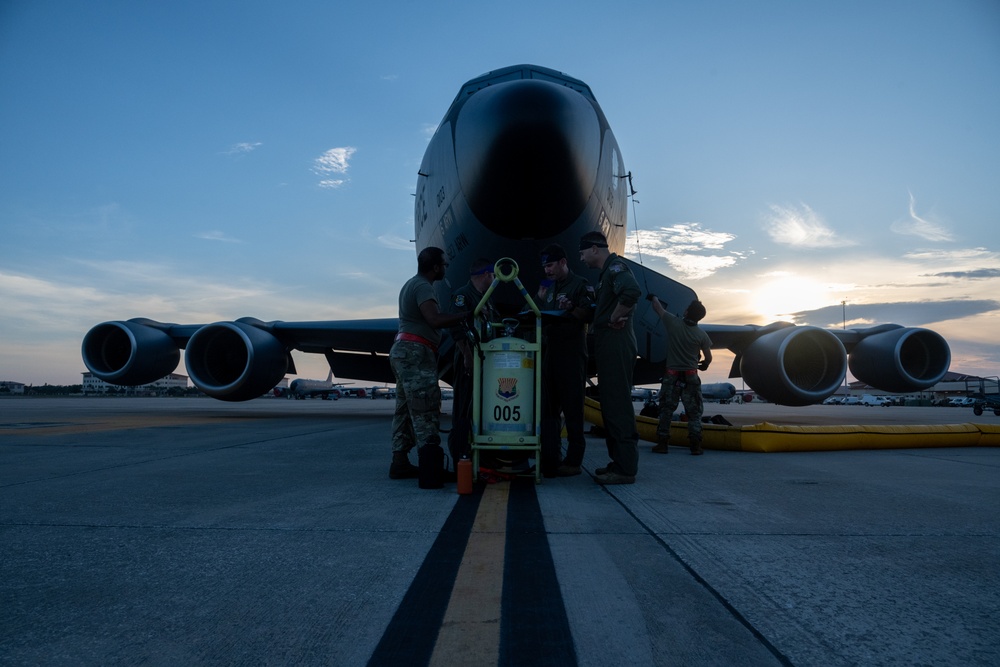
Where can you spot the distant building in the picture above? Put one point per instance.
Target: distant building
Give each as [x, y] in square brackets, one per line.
[94, 385]
[11, 387]
[950, 386]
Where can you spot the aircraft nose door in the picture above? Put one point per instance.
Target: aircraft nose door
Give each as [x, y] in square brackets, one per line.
[527, 154]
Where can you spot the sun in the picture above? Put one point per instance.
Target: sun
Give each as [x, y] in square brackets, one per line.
[784, 293]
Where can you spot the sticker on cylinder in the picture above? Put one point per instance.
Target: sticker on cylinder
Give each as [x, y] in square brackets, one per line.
[507, 389]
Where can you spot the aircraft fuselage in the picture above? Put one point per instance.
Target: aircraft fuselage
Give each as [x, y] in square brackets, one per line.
[524, 157]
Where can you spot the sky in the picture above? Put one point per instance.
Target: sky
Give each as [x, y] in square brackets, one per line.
[825, 163]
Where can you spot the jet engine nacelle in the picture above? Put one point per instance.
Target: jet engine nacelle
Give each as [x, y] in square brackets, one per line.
[129, 353]
[795, 365]
[901, 359]
[235, 361]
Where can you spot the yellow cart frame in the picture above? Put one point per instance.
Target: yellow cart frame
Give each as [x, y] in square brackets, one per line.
[531, 441]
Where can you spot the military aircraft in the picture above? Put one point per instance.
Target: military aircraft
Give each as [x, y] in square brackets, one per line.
[524, 157]
[718, 391]
[325, 389]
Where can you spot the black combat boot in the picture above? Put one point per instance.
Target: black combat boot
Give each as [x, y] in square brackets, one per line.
[430, 458]
[401, 468]
[662, 445]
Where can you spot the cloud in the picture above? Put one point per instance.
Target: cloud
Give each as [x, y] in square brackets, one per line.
[917, 226]
[961, 263]
[980, 255]
[334, 161]
[912, 313]
[46, 318]
[974, 274]
[801, 227]
[686, 247]
[216, 235]
[243, 147]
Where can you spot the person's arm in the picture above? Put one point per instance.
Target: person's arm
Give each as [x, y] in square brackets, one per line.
[657, 306]
[619, 316]
[577, 312]
[543, 289]
[581, 306]
[434, 317]
[706, 350]
[628, 293]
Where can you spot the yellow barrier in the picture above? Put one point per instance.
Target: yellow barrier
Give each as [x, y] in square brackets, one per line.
[765, 437]
[991, 435]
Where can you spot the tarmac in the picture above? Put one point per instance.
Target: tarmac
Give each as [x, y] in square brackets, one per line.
[191, 531]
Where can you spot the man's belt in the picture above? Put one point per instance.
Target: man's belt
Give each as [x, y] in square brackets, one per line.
[671, 371]
[414, 338]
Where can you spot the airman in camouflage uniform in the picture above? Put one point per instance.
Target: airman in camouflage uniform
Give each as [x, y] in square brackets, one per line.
[413, 358]
[686, 342]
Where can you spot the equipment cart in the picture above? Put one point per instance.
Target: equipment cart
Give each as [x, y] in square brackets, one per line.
[986, 392]
[506, 382]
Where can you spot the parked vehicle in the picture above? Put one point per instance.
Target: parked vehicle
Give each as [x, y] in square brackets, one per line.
[643, 394]
[354, 392]
[985, 394]
[871, 399]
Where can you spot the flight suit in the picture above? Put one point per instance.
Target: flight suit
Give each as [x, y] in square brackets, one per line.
[466, 297]
[615, 352]
[564, 373]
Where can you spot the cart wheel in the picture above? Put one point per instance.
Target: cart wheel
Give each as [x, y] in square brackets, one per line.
[977, 410]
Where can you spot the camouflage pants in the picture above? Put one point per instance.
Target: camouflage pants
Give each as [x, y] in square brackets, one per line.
[686, 389]
[418, 396]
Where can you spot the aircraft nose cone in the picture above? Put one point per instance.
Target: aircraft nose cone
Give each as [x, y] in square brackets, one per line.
[527, 154]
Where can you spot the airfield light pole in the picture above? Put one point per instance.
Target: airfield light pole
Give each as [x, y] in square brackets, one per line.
[843, 306]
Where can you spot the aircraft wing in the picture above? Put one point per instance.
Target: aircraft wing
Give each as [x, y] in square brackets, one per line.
[795, 365]
[236, 361]
[801, 365]
[475, 198]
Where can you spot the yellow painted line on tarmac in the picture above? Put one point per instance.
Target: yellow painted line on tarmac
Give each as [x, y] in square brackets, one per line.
[470, 632]
[113, 423]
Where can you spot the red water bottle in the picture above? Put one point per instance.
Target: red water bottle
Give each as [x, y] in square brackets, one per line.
[464, 476]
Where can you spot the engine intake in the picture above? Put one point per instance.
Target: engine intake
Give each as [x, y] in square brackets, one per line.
[235, 361]
[129, 353]
[901, 359]
[795, 365]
